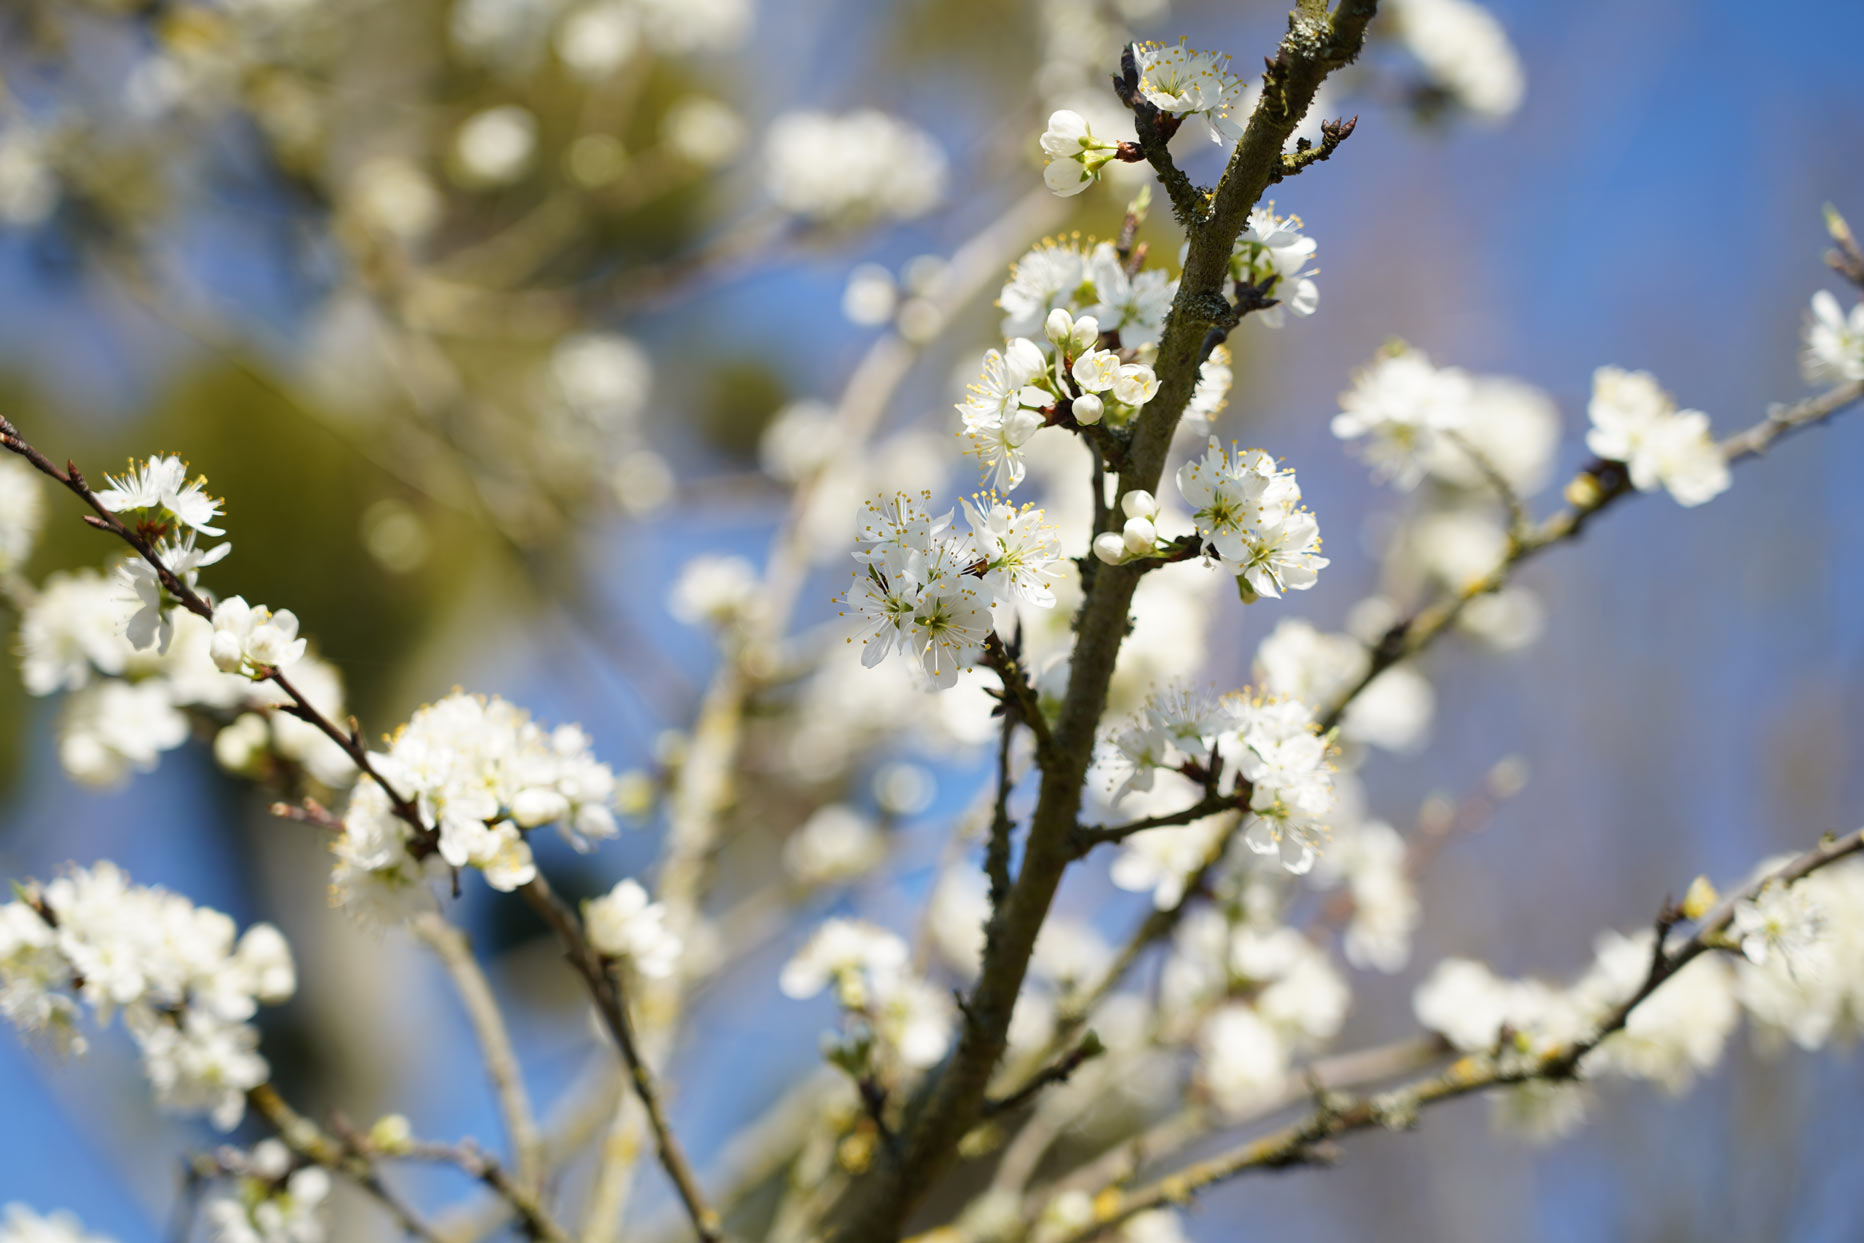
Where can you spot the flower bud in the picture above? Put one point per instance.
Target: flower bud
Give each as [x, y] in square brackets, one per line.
[1110, 547]
[1088, 408]
[1059, 327]
[1086, 333]
[1139, 536]
[1139, 503]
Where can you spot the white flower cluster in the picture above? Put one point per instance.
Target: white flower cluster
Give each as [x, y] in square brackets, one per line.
[869, 971]
[158, 492]
[1296, 1003]
[133, 683]
[843, 169]
[1834, 345]
[186, 983]
[273, 1200]
[1247, 511]
[1184, 83]
[21, 1225]
[1087, 280]
[1637, 423]
[483, 774]
[1796, 977]
[1271, 744]
[252, 641]
[1025, 384]
[1271, 253]
[1801, 945]
[1467, 59]
[626, 924]
[931, 592]
[1403, 410]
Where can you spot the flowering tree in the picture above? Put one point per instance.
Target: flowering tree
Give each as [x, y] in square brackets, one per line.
[972, 1039]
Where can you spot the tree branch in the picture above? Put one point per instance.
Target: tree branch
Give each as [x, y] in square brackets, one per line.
[877, 1204]
[1414, 634]
[1302, 1143]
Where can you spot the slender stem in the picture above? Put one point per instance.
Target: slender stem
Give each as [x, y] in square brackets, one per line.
[613, 1007]
[454, 950]
[312, 1143]
[1303, 1142]
[1414, 634]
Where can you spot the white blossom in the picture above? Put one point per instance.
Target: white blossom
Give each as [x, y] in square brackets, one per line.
[836, 169]
[714, 590]
[184, 981]
[1403, 409]
[483, 774]
[625, 923]
[71, 630]
[271, 1202]
[496, 146]
[1242, 1059]
[1834, 342]
[22, 512]
[835, 844]
[1246, 511]
[1636, 422]
[251, 639]
[1183, 82]
[1272, 254]
[848, 954]
[162, 483]
[22, 1225]
[1074, 155]
[1464, 52]
[1050, 276]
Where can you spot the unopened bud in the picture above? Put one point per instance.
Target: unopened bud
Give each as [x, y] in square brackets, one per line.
[1700, 899]
[1140, 536]
[1086, 333]
[1110, 547]
[1088, 409]
[1584, 492]
[1059, 327]
[1139, 503]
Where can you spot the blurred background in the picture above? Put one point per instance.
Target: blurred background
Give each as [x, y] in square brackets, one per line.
[332, 254]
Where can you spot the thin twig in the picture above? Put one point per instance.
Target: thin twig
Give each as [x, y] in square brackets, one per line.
[613, 1007]
[1302, 1143]
[312, 1143]
[454, 949]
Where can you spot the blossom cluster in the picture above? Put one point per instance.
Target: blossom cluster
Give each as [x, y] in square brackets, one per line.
[271, 1199]
[1269, 745]
[1465, 55]
[21, 1225]
[185, 981]
[1788, 978]
[1025, 384]
[482, 774]
[867, 967]
[839, 169]
[1249, 516]
[1637, 423]
[931, 592]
